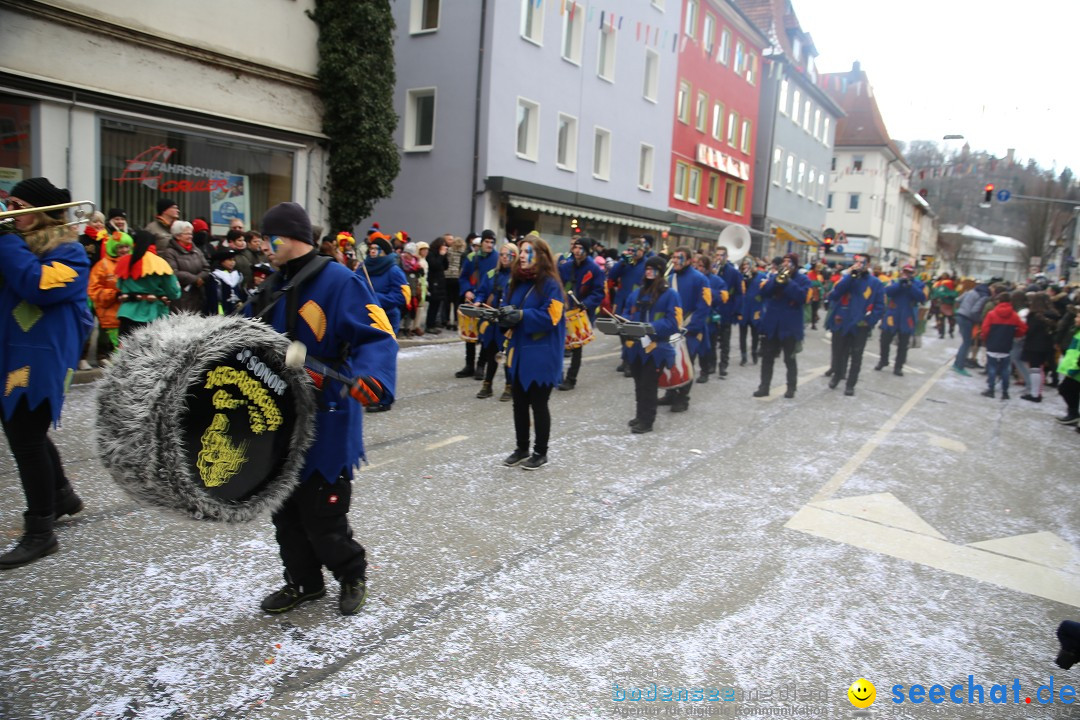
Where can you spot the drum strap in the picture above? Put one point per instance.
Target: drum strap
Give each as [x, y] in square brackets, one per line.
[267, 302]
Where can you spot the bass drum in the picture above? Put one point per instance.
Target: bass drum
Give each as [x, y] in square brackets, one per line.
[200, 415]
[682, 372]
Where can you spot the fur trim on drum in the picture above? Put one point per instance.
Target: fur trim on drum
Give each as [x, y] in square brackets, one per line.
[220, 385]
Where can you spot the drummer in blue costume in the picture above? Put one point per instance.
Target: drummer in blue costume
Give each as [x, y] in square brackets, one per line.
[657, 304]
[44, 321]
[719, 296]
[534, 314]
[391, 286]
[695, 298]
[336, 315]
[628, 273]
[474, 268]
[584, 278]
[491, 292]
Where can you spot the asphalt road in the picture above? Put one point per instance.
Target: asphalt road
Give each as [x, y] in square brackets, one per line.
[767, 552]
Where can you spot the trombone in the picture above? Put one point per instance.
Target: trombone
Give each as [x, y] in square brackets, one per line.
[81, 215]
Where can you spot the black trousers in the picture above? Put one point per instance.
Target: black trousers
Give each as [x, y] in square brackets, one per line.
[771, 348]
[755, 338]
[40, 470]
[470, 355]
[453, 299]
[535, 399]
[708, 353]
[575, 364]
[127, 326]
[435, 304]
[725, 343]
[815, 308]
[646, 382]
[312, 531]
[487, 360]
[1070, 393]
[902, 341]
[849, 354]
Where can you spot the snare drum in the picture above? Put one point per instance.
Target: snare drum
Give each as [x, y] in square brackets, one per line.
[682, 372]
[579, 332]
[468, 327]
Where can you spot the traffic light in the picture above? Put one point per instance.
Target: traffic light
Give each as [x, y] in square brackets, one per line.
[574, 229]
[827, 238]
[989, 189]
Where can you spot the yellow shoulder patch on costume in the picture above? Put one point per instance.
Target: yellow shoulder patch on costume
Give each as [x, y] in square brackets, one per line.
[706, 292]
[56, 274]
[315, 318]
[867, 292]
[678, 315]
[16, 379]
[407, 292]
[555, 310]
[379, 319]
[154, 265]
[724, 295]
[889, 320]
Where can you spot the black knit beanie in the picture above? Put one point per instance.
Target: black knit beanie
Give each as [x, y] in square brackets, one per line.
[289, 220]
[39, 192]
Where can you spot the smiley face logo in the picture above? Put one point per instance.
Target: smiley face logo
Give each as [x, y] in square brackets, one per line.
[862, 693]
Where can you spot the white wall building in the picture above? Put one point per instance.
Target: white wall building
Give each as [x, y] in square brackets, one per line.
[129, 102]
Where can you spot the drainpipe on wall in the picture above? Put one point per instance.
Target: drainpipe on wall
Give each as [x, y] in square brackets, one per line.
[481, 49]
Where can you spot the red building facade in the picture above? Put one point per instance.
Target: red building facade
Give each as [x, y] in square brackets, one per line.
[716, 118]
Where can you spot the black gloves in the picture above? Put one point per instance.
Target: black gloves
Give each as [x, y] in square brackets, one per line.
[509, 316]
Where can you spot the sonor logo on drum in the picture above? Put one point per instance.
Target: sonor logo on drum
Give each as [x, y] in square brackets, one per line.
[262, 372]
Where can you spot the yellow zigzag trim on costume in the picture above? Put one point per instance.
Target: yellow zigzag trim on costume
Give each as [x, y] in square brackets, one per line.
[868, 292]
[555, 310]
[379, 319]
[17, 378]
[706, 293]
[407, 292]
[56, 275]
[315, 318]
[724, 295]
[154, 265]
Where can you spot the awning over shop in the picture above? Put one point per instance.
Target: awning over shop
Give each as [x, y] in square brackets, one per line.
[781, 234]
[702, 224]
[551, 208]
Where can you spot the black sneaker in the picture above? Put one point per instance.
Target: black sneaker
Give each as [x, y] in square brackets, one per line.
[639, 429]
[834, 381]
[633, 422]
[567, 384]
[898, 372]
[987, 393]
[879, 366]
[353, 595]
[849, 391]
[516, 458]
[465, 372]
[289, 597]
[791, 393]
[1031, 398]
[1005, 395]
[67, 502]
[535, 462]
[761, 392]
[1069, 420]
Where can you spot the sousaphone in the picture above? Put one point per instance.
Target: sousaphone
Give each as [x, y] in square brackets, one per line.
[736, 238]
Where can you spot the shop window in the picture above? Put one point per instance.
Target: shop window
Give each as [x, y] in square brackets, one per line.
[208, 176]
[15, 146]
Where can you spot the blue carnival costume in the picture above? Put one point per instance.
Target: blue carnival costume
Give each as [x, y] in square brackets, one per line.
[859, 303]
[902, 299]
[782, 327]
[695, 299]
[585, 280]
[391, 286]
[729, 311]
[474, 268]
[648, 356]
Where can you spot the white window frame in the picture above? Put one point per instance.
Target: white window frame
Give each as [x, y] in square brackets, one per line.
[747, 131]
[693, 192]
[412, 96]
[732, 128]
[690, 26]
[806, 115]
[725, 46]
[789, 172]
[701, 110]
[717, 127]
[530, 9]
[783, 96]
[658, 4]
[858, 163]
[751, 67]
[601, 153]
[711, 200]
[825, 131]
[646, 166]
[708, 33]
[417, 14]
[800, 179]
[828, 201]
[796, 105]
[853, 202]
[532, 138]
[605, 53]
[740, 57]
[573, 33]
[777, 165]
[811, 184]
[652, 75]
[570, 163]
[678, 187]
[821, 188]
[682, 102]
[817, 123]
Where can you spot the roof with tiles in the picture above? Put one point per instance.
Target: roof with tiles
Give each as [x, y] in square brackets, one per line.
[862, 126]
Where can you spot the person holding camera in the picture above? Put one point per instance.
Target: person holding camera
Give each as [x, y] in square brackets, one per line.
[903, 297]
[859, 299]
[784, 291]
[534, 315]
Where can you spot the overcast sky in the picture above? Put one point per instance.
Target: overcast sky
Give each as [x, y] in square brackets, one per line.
[1002, 74]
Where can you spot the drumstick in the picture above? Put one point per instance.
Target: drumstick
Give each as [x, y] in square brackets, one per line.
[296, 357]
[620, 318]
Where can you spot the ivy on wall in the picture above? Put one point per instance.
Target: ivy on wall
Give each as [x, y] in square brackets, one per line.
[356, 86]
